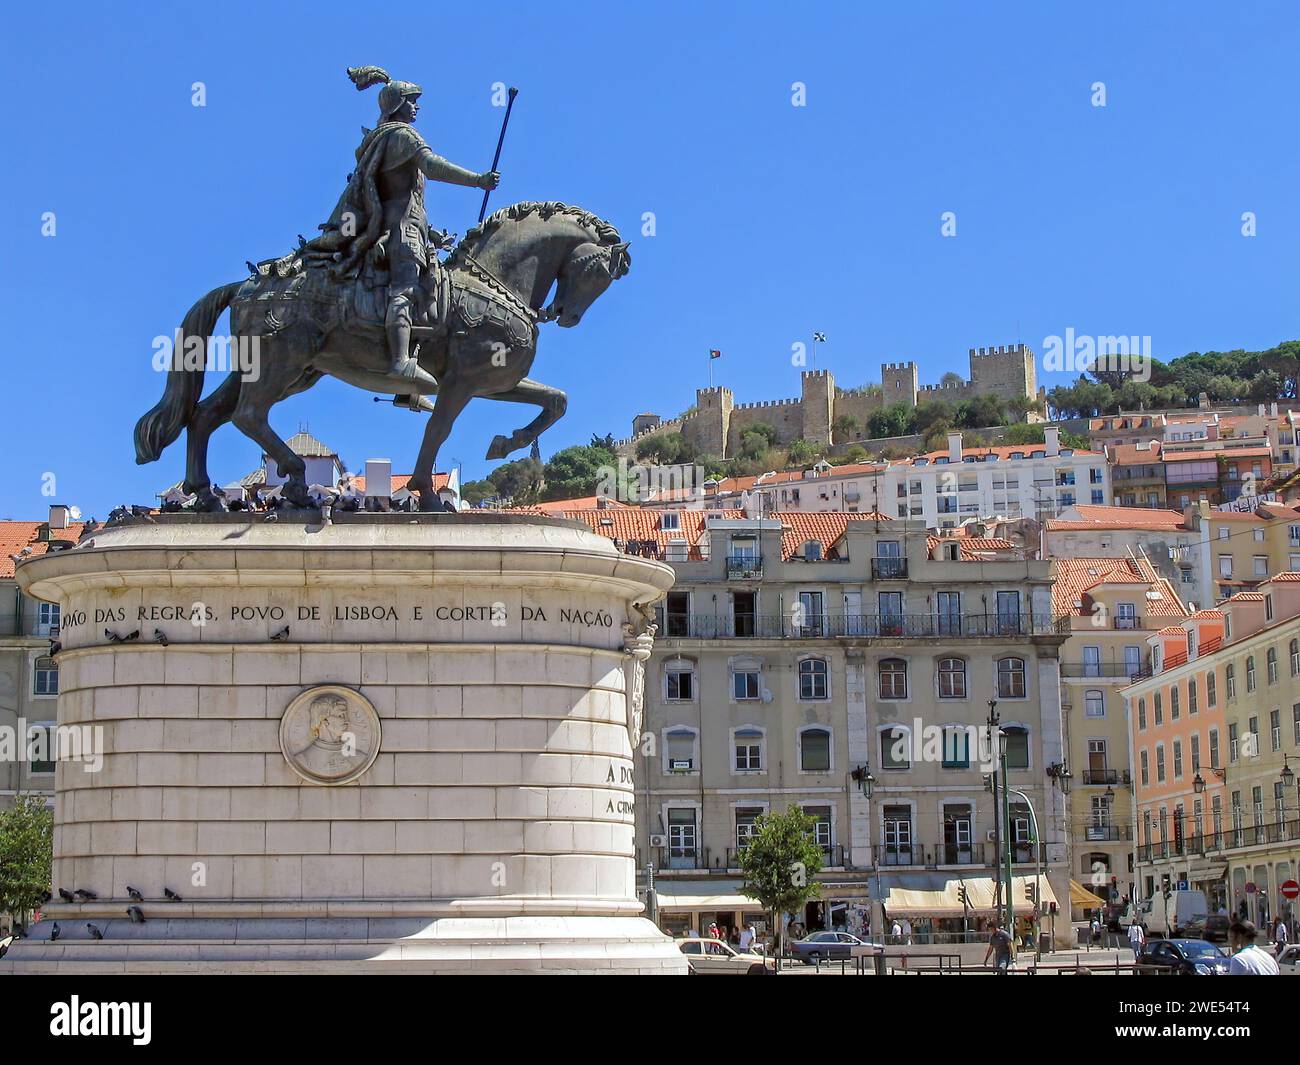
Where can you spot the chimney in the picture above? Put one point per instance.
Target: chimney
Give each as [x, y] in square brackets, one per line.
[379, 478]
[58, 516]
[1212, 430]
[954, 447]
[1051, 441]
[1272, 409]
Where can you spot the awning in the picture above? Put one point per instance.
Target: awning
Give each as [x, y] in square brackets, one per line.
[936, 895]
[1081, 896]
[685, 896]
[1200, 873]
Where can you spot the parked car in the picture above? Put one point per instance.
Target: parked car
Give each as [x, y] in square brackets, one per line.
[821, 946]
[1288, 962]
[712, 957]
[1213, 928]
[1188, 957]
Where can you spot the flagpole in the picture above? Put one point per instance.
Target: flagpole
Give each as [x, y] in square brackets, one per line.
[709, 353]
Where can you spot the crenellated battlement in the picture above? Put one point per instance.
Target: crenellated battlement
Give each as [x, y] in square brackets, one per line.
[1000, 349]
[766, 403]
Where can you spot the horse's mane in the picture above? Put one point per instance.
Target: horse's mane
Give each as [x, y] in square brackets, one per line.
[601, 231]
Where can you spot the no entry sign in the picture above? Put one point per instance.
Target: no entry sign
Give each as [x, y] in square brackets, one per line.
[1290, 889]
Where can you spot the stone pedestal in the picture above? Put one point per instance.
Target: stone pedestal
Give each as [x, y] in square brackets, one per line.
[393, 743]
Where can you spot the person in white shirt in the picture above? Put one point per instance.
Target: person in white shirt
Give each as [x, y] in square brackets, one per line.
[1280, 935]
[1136, 939]
[1247, 958]
[896, 931]
[746, 938]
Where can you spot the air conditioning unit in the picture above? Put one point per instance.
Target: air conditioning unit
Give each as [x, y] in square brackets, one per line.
[658, 841]
[991, 835]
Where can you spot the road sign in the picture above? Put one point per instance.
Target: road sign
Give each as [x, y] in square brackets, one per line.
[1250, 887]
[1290, 889]
[1182, 885]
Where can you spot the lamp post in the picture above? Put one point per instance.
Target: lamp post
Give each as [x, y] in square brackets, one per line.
[994, 732]
[1038, 870]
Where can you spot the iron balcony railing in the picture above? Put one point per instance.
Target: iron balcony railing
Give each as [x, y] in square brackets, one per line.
[1107, 833]
[856, 626]
[930, 855]
[1122, 670]
[1103, 777]
[833, 856]
[888, 569]
[744, 567]
[1127, 621]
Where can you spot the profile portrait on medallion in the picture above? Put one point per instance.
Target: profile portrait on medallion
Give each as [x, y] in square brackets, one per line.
[329, 734]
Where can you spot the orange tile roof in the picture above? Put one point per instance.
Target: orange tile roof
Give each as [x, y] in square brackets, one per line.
[828, 527]
[1245, 597]
[1132, 455]
[973, 548]
[1172, 630]
[440, 481]
[17, 535]
[1107, 517]
[1208, 615]
[1076, 578]
[1001, 450]
[1228, 452]
[556, 506]
[1288, 577]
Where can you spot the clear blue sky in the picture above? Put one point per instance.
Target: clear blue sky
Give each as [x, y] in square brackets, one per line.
[772, 220]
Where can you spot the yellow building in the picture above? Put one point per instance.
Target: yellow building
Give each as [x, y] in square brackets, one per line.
[1238, 549]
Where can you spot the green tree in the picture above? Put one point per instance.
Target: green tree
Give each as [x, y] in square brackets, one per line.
[894, 420]
[26, 855]
[845, 428]
[980, 411]
[1023, 433]
[666, 449]
[953, 380]
[577, 471]
[779, 865]
[474, 492]
[757, 439]
[517, 481]
[932, 412]
[801, 452]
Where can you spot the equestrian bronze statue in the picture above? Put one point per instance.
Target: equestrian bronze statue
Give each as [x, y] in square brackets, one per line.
[369, 302]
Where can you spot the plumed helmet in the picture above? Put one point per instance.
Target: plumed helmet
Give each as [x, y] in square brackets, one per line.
[393, 92]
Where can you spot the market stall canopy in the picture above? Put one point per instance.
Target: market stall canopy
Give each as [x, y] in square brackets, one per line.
[686, 897]
[937, 895]
[1082, 897]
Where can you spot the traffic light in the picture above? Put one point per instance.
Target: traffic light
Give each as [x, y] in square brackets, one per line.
[1031, 892]
[962, 896]
[1165, 886]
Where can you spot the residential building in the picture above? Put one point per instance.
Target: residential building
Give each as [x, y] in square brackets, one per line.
[1215, 476]
[1137, 474]
[1232, 822]
[1112, 606]
[29, 672]
[842, 664]
[1239, 549]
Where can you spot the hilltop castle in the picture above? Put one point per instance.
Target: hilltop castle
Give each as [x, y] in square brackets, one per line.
[717, 422]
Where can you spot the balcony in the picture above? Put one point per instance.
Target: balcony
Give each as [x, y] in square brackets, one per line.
[1100, 778]
[834, 856]
[744, 567]
[859, 626]
[889, 569]
[1126, 621]
[1089, 670]
[933, 855]
[1107, 833]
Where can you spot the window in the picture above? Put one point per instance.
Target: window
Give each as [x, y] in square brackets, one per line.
[895, 747]
[956, 747]
[1211, 689]
[948, 606]
[744, 684]
[1178, 759]
[747, 743]
[952, 678]
[1230, 680]
[812, 679]
[746, 829]
[1196, 752]
[41, 740]
[1158, 701]
[681, 836]
[1191, 696]
[1175, 697]
[1272, 665]
[1098, 496]
[45, 676]
[1275, 729]
[679, 750]
[1295, 658]
[1295, 723]
[821, 816]
[893, 679]
[1261, 565]
[1092, 661]
[1250, 673]
[1094, 703]
[670, 521]
[1214, 747]
[897, 835]
[815, 750]
[1142, 714]
[1144, 768]
[1225, 567]
[47, 619]
[1011, 678]
[1160, 763]
[1232, 742]
[1017, 746]
[679, 682]
[812, 551]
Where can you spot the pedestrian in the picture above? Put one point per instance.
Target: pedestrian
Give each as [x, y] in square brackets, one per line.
[1280, 936]
[1094, 933]
[1247, 958]
[1003, 947]
[746, 939]
[1136, 939]
[907, 931]
[896, 931]
[713, 930]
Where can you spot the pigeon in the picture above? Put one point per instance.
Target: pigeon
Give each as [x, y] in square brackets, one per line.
[280, 636]
[136, 914]
[95, 933]
[55, 932]
[172, 895]
[135, 895]
[83, 893]
[55, 647]
[271, 515]
[160, 637]
[115, 638]
[66, 895]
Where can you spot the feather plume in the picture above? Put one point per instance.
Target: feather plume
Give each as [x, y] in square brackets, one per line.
[364, 77]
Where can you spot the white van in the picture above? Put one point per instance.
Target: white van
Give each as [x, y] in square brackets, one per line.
[1168, 918]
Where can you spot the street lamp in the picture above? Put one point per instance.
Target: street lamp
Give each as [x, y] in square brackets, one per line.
[1198, 784]
[865, 780]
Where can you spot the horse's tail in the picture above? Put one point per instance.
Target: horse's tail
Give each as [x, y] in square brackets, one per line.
[162, 425]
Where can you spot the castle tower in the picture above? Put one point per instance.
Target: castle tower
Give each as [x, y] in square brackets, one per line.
[709, 427]
[817, 405]
[1005, 370]
[899, 382]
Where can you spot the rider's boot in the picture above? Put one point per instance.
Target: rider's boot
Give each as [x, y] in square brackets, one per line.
[409, 377]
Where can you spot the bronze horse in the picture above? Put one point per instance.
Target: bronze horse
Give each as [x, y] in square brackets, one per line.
[495, 284]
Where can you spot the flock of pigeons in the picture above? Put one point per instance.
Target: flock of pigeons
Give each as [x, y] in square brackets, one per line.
[85, 895]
